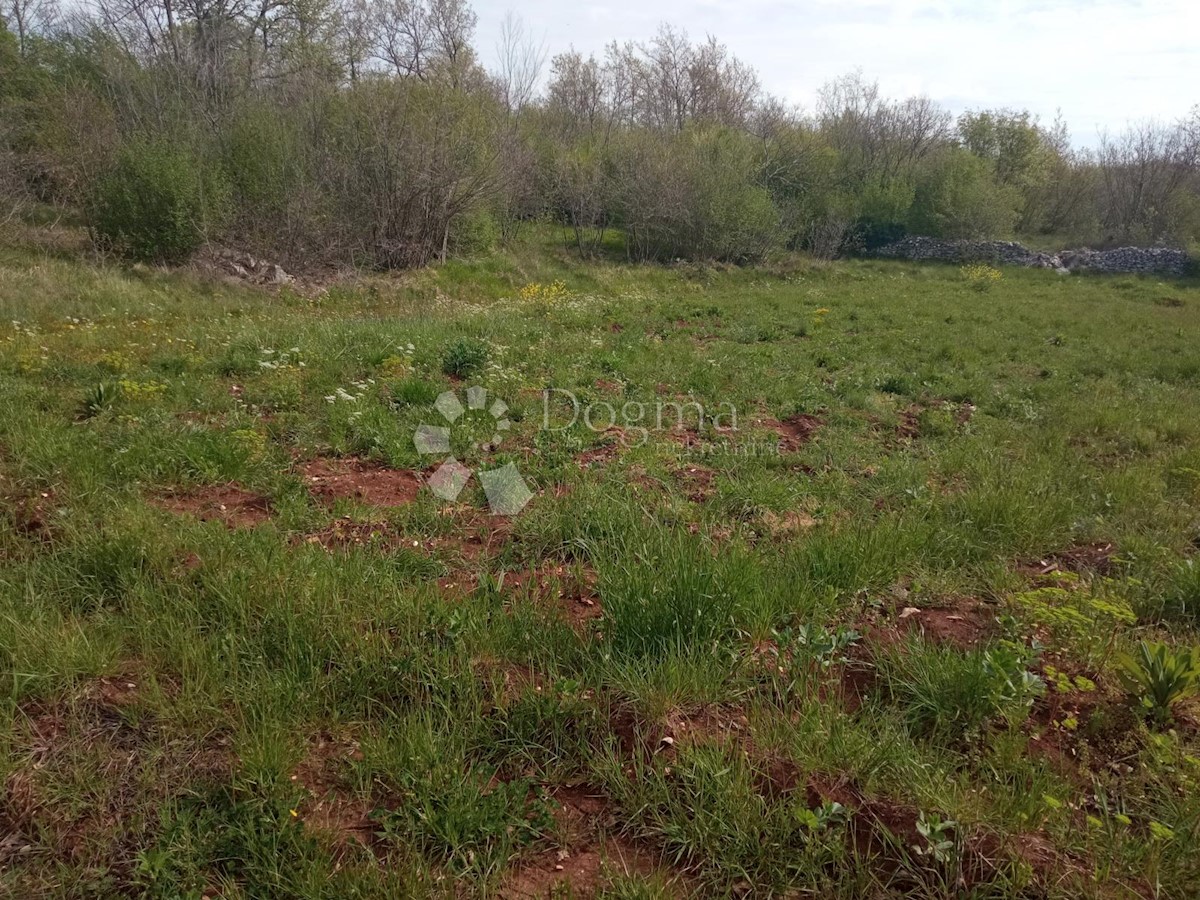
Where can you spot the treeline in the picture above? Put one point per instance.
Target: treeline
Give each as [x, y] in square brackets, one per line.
[367, 132]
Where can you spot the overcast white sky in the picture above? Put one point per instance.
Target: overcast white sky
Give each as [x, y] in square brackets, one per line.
[1103, 63]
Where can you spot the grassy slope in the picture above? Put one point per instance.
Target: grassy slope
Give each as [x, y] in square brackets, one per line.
[186, 705]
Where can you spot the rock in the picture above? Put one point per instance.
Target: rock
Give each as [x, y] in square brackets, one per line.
[279, 276]
[1125, 260]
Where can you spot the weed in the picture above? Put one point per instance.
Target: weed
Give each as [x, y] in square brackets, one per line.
[1159, 676]
[464, 357]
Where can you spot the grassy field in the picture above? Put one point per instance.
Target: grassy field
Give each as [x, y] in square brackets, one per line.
[865, 643]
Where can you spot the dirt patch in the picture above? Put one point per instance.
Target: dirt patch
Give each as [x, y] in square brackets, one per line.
[1083, 731]
[97, 737]
[33, 516]
[612, 444]
[477, 536]
[570, 590]
[793, 432]
[787, 524]
[345, 533]
[697, 482]
[963, 622]
[230, 504]
[330, 807]
[1098, 558]
[908, 424]
[706, 725]
[590, 857]
[582, 872]
[356, 479]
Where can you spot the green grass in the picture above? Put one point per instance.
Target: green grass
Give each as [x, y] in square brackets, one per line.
[278, 709]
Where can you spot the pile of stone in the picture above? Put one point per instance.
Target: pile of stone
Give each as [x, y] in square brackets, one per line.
[250, 268]
[1126, 260]
[1146, 260]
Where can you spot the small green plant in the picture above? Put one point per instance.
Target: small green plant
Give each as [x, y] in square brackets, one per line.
[464, 357]
[98, 399]
[1159, 676]
[829, 814]
[938, 835]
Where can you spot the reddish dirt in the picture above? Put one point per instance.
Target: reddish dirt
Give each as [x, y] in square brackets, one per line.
[227, 503]
[590, 857]
[908, 428]
[709, 724]
[51, 737]
[32, 516]
[569, 590]
[857, 680]
[1079, 732]
[477, 535]
[580, 872]
[697, 482]
[793, 432]
[361, 480]
[963, 622]
[612, 445]
[331, 807]
[786, 524]
[605, 384]
[1097, 558]
[344, 532]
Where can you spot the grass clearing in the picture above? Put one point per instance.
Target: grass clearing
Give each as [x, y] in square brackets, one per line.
[861, 636]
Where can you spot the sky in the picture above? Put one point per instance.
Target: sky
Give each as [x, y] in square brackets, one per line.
[1103, 63]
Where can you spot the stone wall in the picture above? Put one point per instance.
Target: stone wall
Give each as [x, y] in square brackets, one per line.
[1126, 260]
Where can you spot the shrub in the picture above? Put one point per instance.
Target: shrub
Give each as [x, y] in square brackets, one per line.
[157, 203]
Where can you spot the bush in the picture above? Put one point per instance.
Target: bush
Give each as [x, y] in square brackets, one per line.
[158, 203]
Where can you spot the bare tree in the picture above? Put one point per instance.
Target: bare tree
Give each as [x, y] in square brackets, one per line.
[30, 18]
[521, 61]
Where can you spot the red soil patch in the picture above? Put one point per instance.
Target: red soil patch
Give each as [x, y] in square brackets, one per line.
[569, 589]
[478, 536]
[330, 807]
[33, 516]
[227, 503]
[793, 432]
[344, 533]
[963, 622]
[709, 724]
[612, 445]
[356, 479]
[789, 523]
[1077, 731]
[697, 482]
[908, 427]
[579, 872]
[589, 859]
[1097, 558]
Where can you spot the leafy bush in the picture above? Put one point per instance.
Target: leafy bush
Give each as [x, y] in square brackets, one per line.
[464, 357]
[157, 203]
[1159, 676]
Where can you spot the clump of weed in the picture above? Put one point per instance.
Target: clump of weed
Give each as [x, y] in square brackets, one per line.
[100, 398]
[464, 357]
[1159, 677]
[414, 392]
